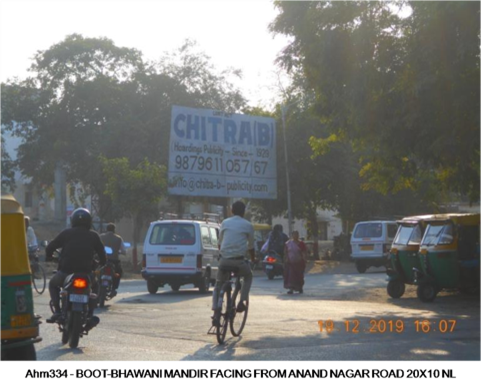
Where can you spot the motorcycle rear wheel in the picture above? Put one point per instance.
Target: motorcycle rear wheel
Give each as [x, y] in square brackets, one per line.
[102, 295]
[74, 332]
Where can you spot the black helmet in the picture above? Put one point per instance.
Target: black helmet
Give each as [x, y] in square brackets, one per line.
[81, 218]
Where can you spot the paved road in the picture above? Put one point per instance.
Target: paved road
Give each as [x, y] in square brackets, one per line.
[173, 325]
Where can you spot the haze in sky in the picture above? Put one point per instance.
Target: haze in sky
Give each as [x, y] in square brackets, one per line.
[234, 34]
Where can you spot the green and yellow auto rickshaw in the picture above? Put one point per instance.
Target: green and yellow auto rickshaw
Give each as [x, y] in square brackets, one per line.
[403, 256]
[19, 324]
[449, 255]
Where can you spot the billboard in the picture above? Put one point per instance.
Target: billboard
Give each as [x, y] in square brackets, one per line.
[213, 154]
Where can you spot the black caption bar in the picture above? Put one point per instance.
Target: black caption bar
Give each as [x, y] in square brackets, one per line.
[243, 373]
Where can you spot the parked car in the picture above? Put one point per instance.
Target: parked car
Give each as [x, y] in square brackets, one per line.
[180, 252]
[371, 242]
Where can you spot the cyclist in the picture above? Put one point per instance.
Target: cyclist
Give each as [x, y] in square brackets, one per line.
[79, 245]
[115, 242]
[31, 238]
[235, 238]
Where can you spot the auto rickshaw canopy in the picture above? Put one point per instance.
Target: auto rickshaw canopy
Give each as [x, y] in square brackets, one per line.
[14, 240]
[262, 227]
[467, 219]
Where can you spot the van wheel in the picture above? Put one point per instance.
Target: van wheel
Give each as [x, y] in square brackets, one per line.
[152, 287]
[175, 287]
[204, 283]
[396, 288]
[361, 268]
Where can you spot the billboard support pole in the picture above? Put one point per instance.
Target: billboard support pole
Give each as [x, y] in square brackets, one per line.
[289, 211]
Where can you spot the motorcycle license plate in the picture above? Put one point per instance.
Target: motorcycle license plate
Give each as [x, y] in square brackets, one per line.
[269, 267]
[105, 283]
[106, 277]
[79, 298]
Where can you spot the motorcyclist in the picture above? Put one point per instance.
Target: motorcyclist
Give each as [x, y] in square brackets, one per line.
[79, 245]
[277, 240]
[115, 242]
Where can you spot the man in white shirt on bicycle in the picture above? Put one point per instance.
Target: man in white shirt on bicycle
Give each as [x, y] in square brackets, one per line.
[236, 237]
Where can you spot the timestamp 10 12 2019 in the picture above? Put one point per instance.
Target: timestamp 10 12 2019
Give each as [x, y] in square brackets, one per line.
[382, 326]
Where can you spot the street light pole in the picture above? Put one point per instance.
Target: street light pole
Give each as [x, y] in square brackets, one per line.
[289, 211]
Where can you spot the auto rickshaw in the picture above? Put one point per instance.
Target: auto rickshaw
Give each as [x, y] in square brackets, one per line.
[403, 256]
[19, 323]
[261, 233]
[449, 255]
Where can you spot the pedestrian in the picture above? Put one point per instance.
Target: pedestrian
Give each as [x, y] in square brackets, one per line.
[295, 264]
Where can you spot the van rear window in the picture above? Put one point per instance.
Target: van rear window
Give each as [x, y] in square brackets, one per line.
[368, 230]
[172, 234]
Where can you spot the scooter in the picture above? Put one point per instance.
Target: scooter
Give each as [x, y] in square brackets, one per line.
[273, 265]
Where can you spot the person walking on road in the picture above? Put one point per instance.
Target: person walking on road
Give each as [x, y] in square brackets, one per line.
[295, 264]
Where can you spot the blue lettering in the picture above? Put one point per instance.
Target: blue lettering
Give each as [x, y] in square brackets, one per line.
[180, 133]
[192, 126]
[263, 134]
[230, 130]
[202, 129]
[214, 121]
[245, 133]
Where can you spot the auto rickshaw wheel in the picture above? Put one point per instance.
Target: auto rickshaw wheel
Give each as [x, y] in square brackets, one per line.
[396, 288]
[426, 292]
[361, 268]
[23, 353]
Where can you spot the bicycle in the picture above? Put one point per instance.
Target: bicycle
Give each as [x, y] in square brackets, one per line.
[39, 278]
[227, 308]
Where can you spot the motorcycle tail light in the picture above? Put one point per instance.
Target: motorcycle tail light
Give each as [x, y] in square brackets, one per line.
[271, 259]
[107, 271]
[80, 283]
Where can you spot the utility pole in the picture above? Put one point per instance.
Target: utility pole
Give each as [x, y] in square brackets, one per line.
[289, 210]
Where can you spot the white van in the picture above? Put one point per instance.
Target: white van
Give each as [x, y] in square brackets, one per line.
[371, 242]
[179, 252]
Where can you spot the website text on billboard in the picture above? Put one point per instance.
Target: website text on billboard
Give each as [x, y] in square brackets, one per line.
[222, 155]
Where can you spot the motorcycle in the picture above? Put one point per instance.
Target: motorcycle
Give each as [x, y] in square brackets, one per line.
[77, 303]
[106, 276]
[273, 265]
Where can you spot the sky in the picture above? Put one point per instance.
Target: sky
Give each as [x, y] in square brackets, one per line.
[233, 33]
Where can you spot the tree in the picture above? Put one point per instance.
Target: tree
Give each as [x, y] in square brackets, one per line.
[89, 98]
[135, 191]
[390, 88]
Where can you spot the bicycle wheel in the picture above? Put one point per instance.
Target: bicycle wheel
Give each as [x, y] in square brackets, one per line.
[237, 321]
[221, 330]
[39, 279]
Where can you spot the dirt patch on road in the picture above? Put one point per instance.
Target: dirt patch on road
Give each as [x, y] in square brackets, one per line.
[330, 267]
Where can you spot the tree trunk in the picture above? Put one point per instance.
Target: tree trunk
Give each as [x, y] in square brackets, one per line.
[136, 238]
[314, 229]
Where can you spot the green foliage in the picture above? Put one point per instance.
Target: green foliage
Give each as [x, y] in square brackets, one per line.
[88, 98]
[134, 191]
[404, 92]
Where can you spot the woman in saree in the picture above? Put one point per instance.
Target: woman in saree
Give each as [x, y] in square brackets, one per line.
[295, 264]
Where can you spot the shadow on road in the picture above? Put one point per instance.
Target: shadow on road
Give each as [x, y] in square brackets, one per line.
[57, 350]
[365, 337]
[166, 297]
